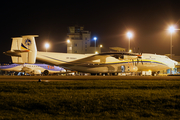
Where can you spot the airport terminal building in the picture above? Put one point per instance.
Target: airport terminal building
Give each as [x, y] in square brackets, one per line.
[79, 41]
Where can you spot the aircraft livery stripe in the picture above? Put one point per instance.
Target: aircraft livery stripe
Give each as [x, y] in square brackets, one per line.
[124, 62]
[8, 66]
[24, 47]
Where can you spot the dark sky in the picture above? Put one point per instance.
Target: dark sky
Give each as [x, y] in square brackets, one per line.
[108, 20]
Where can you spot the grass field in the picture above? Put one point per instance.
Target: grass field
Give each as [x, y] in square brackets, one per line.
[91, 99]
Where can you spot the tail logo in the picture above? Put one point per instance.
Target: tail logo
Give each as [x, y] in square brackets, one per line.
[28, 42]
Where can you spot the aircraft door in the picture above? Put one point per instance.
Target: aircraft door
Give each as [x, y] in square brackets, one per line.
[123, 68]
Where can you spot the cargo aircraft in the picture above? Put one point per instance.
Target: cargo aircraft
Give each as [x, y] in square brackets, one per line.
[24, 50]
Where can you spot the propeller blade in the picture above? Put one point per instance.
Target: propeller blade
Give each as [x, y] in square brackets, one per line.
[133, 61]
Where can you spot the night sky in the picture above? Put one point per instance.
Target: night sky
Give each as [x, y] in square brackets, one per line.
[107, 20]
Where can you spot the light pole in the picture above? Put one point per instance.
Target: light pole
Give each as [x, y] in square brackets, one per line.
[129, 35]
[46, 46]
[69, 46]
[171, 30]
[95, 38]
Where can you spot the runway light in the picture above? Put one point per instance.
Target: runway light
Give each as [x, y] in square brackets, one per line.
[130, 50]
[101, 46]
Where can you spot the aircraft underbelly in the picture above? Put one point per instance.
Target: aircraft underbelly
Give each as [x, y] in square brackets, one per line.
[116, 68]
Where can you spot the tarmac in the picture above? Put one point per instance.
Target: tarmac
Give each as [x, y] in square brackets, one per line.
[60, 78]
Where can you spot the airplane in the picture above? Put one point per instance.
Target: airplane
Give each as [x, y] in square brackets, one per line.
[34, 69]
[112, 62]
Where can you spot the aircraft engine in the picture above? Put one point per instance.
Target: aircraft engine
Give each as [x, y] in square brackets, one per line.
[127, 57]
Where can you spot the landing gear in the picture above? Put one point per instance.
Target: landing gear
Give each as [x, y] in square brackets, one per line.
[46, 72]
[155, 73]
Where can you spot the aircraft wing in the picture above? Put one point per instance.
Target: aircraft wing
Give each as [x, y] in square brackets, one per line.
[101, 58]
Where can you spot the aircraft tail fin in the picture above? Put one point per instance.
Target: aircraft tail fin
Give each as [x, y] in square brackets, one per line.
[26, 47]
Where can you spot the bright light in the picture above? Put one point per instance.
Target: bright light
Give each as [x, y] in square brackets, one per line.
[129, 35]
[68, 41]
[130, 50]
[96, 52]
[101, 46]
[95, 38]
[171, 29]
[47, 45]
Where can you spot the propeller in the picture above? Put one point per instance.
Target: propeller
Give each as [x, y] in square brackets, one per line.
[139, 57]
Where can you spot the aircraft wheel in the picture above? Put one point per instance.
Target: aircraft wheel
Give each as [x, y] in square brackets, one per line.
[46, 72]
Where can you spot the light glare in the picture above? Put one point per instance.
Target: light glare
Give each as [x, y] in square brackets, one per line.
[68, 41]
[171, 29]
[96, 52]
[95, 38]
[129, 35]
[47, 45]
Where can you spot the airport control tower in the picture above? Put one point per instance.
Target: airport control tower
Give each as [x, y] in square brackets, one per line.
[79, 41]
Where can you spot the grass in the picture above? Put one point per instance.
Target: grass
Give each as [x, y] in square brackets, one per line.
[91, 99]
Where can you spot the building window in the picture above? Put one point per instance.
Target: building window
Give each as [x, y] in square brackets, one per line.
[85, 46]
[86, 38]
[86, 42]
[75, 51]
[86, 50]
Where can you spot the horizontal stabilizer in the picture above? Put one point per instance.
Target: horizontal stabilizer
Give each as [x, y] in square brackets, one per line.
[12, 53]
